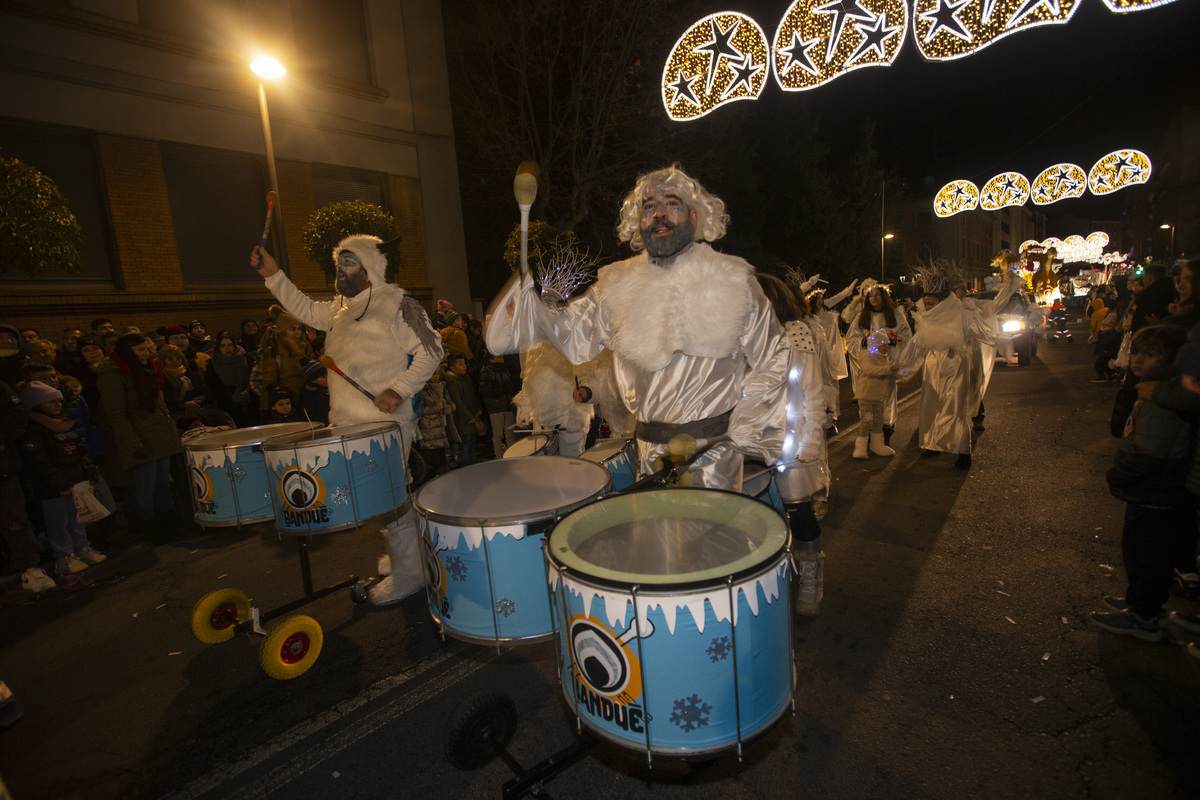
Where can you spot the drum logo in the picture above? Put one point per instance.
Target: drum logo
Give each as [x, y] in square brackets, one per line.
[608, 676]
[435, 577]
[303, 495]
[202, 488]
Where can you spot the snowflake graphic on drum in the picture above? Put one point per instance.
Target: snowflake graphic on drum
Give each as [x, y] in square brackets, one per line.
[340, 496]
[506, 607]
[236, 474]
[719, 649]
[456, 569]
[371, 466]
[690, 713]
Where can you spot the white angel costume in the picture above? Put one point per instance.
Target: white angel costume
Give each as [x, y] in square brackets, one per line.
[697, 354]
[546, 401]
[804, 462]
[382, 338]
[983, 361]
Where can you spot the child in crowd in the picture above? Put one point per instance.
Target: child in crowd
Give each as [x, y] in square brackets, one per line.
[281, 407]
[496, 391]
[314, 397]
[436, 424]
[55, 457]
[876, 379]
[1149, 474]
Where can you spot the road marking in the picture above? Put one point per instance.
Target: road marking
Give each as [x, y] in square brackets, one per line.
[372, 721]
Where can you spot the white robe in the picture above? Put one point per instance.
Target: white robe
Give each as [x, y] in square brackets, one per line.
[804, 462]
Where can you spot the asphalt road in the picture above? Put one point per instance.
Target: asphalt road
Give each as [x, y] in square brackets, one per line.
[952, 656]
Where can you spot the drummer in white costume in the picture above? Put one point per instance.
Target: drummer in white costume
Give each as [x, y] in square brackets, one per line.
[697, 352]
[379, 335]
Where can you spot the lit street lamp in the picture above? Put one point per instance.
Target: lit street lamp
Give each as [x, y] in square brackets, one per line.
[1171, 248]
[886, 236]
[269, 68]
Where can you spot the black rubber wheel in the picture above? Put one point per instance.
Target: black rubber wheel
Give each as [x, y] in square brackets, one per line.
[358, 592]
[482, 726]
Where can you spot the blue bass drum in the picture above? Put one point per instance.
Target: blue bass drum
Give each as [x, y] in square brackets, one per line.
[337, 478]
[619, 457]
[228, 475]
[673, 617]
[483, 528]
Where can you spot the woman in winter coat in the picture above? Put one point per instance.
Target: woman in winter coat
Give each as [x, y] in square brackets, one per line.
[139, 430]
[90, 355]
[282, 360]
[184, 389]
[435, 424]
[228, 377]
[865, 317]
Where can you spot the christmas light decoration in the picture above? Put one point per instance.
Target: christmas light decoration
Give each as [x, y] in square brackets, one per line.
[1058, 182]
[818, 40]
[720, 59]
[1006, 189]
[944, 30]
[1074, 248]
[1117, 170]
[954, 197]
[1125, 6]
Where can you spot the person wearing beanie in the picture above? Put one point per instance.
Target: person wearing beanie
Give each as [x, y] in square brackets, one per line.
[439, 319]
[380, 335]
[55, 461]
[281, 409]
[314, 399]
[198, 337]
[283, 357]
[249, 338]
[454, 337]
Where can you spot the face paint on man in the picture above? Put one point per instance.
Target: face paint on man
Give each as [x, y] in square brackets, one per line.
[667, 224]
[351, 277]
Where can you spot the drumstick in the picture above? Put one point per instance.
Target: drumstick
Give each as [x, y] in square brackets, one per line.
[330, 364]
[272, 199]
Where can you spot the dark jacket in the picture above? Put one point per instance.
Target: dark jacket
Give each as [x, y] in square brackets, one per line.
[1152, 461]
[13, 420]
[1153, 301]
[466, 403]
[1108, 343]
[496, 388]
[55, 461]
[1172, 395]
[135, 435]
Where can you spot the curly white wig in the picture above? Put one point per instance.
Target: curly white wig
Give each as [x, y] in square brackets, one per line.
[710, 209]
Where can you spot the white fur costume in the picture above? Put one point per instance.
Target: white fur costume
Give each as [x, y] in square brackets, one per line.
[546, 399]
[373, 337]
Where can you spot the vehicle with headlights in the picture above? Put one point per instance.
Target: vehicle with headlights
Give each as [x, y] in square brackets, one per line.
[1019, 316]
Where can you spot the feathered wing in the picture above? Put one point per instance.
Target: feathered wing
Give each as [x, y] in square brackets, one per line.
[414, 316]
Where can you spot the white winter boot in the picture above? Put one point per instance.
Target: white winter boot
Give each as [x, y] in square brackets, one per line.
[810, 583]
[878, 447]
[404, 552]
[860, 447]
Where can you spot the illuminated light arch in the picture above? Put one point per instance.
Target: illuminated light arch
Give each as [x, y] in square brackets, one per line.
[944, 30]
[1097, 239]
[818, 40]
[954, 197]
[720, 59]
[1058, 183]
[1006, 189]
[1028, 243]
[1125, 6]
[1117, 170]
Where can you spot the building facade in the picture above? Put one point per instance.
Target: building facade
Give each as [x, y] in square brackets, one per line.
[147, 116]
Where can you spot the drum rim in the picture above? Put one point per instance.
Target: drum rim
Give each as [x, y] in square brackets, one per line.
[303, 438]
[523, 517]
[619, 451]
[524, 438]
[646, 583]
[194, 444]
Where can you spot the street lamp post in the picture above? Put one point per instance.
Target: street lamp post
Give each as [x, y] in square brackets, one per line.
[882, 239]
[1171, 247]
[269, 68]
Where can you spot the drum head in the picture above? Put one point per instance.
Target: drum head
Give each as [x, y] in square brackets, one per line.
[331, 435]
[511, 490]
[528, 446]
[604, 449]
[668, 537]
[240, 437]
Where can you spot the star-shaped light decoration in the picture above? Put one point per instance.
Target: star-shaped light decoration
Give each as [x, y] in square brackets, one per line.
[1125, 6]
[1058, 183]
[1117, 170]
[945, 30]
[954, 197]
[853, 34]
[1006, 189]
[729, 52]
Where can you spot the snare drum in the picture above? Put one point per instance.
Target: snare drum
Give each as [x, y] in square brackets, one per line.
[536, 444]
[337, 478]
[758, 481]
[619, 457]
[483, 527]
[228, 477]
[673, 616]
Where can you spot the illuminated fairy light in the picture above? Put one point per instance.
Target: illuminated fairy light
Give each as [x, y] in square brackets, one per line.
[1097, 239]
[1006, 189]
[1075, 248]
[944, 30]
[1058, 183]
[818, 40]
[1125, 6]
[1117, 170]
[720, 59]
[954, 197]
[1028, 243]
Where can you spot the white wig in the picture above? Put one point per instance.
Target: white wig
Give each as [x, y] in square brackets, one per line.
[711, 218]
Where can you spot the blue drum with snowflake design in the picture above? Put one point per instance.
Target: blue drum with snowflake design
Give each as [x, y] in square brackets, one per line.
[673, 617]
[228, 476]
[337, 478]
[619, 457]
[483, 528]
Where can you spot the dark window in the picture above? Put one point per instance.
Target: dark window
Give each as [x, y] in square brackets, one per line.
[338, 184]
[68, 157]
[331, 38]
[1004, 226]
[218, 204]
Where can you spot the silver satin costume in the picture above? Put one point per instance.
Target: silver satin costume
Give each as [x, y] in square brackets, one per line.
[748, 382]
[803, 466]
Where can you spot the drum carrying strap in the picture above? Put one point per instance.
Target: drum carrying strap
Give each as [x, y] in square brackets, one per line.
[663, 432]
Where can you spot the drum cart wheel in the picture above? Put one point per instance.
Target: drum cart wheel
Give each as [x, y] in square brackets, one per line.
[291, 647]
[359, 591]
[216, 615]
